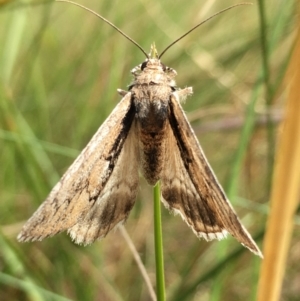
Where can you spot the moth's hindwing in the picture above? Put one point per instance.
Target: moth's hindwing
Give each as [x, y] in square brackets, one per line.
[99, 189]
[190, 188]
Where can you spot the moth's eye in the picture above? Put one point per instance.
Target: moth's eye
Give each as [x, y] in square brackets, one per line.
[144, 65]
[163, 67]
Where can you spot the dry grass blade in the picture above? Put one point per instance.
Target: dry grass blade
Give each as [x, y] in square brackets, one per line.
[138, 261]
[285, 192]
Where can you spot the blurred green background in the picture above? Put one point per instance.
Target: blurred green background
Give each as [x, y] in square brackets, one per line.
[60, 67]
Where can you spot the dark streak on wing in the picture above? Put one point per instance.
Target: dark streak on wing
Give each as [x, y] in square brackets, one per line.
[119, 142]
[180, 195]
[193, 209]
[213, 208]
[77, 191]
[117, 198]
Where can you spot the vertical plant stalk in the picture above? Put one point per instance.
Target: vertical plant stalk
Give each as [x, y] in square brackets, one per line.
[285, 191]
[159, 258]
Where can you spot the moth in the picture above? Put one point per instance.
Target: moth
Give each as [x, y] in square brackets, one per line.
[147, 131]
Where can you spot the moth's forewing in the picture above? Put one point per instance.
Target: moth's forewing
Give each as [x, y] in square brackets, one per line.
[98, 190]
[190, 188]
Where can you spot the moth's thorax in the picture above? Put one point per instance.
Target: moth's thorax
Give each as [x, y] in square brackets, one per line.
[151, 90]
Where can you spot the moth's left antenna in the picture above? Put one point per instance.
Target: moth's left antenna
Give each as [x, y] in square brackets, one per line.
[109, 23]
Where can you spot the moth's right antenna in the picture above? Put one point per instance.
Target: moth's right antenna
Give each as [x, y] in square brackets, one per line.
[216, 14]
[109, 23]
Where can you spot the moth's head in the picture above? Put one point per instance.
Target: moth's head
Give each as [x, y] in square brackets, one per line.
[153, 62]
[153, 65]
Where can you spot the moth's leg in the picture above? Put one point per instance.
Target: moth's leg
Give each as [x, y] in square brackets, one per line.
[122, 92]
[182, 94]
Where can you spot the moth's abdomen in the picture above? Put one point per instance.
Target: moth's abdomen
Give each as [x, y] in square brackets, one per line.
[151, 118]
[152, 154]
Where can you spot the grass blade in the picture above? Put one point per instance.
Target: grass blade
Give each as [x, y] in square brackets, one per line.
[159, 258]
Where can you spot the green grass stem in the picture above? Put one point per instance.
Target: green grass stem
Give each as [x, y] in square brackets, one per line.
[159, 258]
[268, 89]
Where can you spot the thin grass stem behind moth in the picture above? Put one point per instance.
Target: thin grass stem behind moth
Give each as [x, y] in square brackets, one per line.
[147, 131]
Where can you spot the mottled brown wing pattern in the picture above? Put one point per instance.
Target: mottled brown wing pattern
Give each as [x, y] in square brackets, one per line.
[98, 190]
[190, 188]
